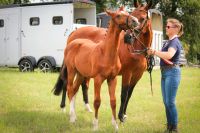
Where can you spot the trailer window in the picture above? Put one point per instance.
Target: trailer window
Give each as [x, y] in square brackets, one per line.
[57, 20]
[81, 21]
[1, 23]
[34, 21]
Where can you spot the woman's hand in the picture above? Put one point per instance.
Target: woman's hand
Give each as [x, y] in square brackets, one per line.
[151, 52]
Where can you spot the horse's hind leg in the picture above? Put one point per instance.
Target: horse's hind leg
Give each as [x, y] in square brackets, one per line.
[75, 87]
[70, 92]
[97, 99]
[85, 86]
[63, 100]
[112, 87]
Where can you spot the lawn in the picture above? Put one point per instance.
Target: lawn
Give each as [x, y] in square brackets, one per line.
[27, 105]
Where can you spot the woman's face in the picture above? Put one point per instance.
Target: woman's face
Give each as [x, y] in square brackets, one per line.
[171, 29]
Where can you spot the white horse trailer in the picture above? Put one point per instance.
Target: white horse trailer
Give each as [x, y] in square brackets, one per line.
[34, 35]
[157, 26]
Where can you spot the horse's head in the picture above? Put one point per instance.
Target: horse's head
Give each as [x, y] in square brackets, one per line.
[123, 19]
[142, 35]
[142, 14]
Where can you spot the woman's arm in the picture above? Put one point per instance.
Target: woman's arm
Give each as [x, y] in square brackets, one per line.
[164, 55]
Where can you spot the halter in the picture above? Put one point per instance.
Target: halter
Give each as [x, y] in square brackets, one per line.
[121, 26]
[150, 59]
[136, 33]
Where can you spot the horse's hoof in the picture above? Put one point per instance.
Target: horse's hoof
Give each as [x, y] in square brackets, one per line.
[72, 120]
[125, 116]
[122, 118]
[87, 107]
[95, 124]
[114, 123]
[63, 110]
[72, 117]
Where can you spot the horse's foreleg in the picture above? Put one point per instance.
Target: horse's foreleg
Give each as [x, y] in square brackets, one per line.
[112, 87]
[130, 91]
[97, 99]
[134, 80]
[85, 86]
[124, 94]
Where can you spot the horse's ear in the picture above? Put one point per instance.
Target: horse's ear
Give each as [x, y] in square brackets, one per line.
[121, 8]
[149, 4]
[110, 13]
[136, 4]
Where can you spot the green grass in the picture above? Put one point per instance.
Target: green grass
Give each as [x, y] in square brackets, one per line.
[28, 106]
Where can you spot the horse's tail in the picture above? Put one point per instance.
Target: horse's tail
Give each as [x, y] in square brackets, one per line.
[61, 81]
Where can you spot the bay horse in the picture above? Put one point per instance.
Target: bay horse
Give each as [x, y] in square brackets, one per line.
[133, 61]
[84, 58]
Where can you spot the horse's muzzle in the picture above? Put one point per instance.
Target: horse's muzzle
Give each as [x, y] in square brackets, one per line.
[135, 22]
[128, 39]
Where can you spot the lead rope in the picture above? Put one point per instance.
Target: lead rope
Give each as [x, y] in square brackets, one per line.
[150, 65]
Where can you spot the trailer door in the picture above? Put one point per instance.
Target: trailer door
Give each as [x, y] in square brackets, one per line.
[9, 39]
[2, 40]
[12, 40]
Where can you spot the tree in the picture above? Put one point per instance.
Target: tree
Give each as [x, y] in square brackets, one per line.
[7, 2]
[188, 12]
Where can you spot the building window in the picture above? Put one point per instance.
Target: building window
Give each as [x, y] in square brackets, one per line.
[1, 23]
[57, 20]
[81, 21]
[34, 21]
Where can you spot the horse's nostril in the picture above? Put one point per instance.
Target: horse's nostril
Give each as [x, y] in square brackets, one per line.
[135, 23]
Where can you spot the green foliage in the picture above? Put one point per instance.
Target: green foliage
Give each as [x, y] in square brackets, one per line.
[7, 2]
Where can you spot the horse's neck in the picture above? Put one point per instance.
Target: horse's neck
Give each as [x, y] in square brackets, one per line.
[110, 44]
[146, 39]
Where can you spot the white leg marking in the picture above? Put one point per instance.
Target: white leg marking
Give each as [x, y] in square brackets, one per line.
[114, 123]
[125, 116]
[63, 110]
[87, 107]
[72, 113]
[95, 124]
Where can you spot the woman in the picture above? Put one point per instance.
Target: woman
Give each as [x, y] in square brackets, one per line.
[170, 71]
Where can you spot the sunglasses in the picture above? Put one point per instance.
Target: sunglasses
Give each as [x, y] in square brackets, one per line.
[168, 27]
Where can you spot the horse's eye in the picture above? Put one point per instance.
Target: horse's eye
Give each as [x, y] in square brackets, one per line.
[142, 19]
[118, 16]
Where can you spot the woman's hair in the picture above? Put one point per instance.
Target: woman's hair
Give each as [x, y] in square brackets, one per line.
[178, 24]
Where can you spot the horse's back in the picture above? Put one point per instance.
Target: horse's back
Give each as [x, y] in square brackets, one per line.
[79, 53]
[90, 32]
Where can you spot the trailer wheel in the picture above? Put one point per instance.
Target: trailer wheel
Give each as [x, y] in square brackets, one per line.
[45, 66]
[25, 66]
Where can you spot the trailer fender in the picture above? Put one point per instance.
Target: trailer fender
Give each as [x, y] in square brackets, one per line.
[46, 64]
[27, 63]
[48, 58]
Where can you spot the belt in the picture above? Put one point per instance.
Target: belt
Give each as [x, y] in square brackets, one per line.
[162, 68]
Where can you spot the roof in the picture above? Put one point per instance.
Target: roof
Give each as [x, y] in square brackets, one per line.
[47, 3]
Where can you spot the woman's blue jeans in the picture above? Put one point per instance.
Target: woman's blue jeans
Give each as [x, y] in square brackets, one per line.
[169, 82]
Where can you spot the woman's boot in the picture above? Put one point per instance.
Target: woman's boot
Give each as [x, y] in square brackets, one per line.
[174, 129]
